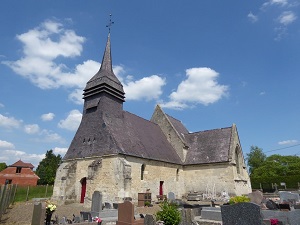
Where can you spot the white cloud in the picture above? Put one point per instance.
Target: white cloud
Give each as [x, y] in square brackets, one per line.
[275, 2]
[262, 93]
[287, 17]
[12, 156]
[253, 18]
[31, 128]
[41, 46]
[1, 105]
[47, 116]
[9, 122]
[5, 144]
[146, 88]
[60, 151]
[49, 136]
[287, 142]
[72, 121]
[200, 87]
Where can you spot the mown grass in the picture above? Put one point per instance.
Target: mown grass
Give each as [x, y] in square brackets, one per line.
[41, 191]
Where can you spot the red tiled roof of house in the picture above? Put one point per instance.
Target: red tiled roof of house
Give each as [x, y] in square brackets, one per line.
[20, 163]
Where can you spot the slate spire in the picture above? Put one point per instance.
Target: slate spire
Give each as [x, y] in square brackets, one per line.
[105, 80]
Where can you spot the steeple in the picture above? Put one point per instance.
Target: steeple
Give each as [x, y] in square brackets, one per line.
[105, 80]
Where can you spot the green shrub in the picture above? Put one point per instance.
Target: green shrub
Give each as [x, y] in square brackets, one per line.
[169, 213]
[147, 203]
[238, 199]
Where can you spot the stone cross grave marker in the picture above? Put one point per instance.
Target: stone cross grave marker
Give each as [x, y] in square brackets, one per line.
[246, 213]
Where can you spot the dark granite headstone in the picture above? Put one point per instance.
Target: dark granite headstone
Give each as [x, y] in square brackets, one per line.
[245, 213]
[149, 220]
[107, 205]
[271, 205]
[86, 216]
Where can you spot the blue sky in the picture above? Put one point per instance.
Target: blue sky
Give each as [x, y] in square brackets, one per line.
[208, 63]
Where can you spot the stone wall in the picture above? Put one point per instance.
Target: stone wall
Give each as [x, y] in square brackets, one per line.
[117, 177]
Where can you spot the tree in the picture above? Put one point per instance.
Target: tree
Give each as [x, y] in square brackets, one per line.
[46, 169]
[3, 166]
[255, 158]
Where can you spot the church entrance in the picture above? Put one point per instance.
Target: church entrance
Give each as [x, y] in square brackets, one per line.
[83, 189]
[161, 191]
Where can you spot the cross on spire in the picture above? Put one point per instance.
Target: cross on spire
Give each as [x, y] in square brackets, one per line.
[110, 23]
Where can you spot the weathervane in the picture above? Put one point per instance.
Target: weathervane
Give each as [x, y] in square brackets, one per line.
[110, 23]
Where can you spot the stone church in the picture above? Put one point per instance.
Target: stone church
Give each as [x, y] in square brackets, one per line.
[121, 154]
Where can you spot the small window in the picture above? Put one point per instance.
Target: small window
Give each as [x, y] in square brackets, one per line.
[142, 171]
[237, 161]
[177, 174]
[18, 170]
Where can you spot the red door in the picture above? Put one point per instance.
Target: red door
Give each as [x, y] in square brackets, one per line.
[161, 191]
[83, 189]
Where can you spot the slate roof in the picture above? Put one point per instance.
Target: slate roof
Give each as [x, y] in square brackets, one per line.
[209, 146]
[129, 135]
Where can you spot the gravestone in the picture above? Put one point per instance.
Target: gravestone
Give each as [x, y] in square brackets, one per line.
[271, 205]
[126, 215]
[38, 216]
[289, 197]
[211, 213]
[96, 203]
[107, 205]
[171, 196]
[256, 197]
[149, 220]
[246, 213]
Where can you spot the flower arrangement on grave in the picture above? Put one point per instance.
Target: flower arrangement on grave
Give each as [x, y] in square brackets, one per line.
[50, 207]
[238, 199]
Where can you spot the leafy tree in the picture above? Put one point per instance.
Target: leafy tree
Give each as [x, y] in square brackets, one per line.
[46, 169]
[255, 158]
[278, 166]
[3, 166]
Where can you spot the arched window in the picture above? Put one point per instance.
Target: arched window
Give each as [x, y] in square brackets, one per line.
[143, 171]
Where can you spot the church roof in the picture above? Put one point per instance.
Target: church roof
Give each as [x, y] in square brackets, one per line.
[105, 80]
[209, 146]
[129, 135]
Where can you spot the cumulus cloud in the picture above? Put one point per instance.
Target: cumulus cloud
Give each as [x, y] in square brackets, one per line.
[72, 121]
[6, 144]
[287, 17]
[253, 18]
[47, 116]
[146, 88]
[60, 151]
[9, 122]
[31, 128]
[200, 87]
[11, 156]
[41, 47]
[287, 142]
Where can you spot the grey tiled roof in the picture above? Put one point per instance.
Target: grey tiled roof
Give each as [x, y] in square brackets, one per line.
[209, 146]
[129, 135]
